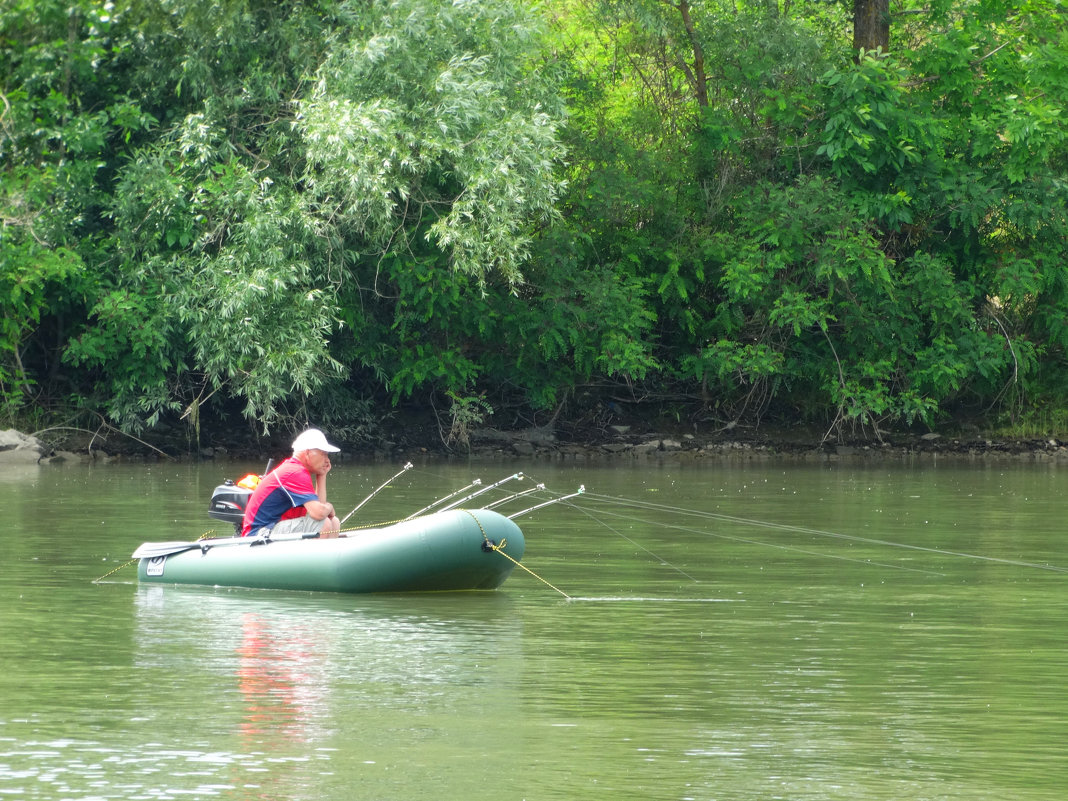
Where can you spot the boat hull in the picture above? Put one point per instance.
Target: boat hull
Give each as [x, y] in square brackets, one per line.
[433, 553]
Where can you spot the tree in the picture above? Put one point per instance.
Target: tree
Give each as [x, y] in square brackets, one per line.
[243, 167]
[434, 121]
[929, 158]
[303, 209]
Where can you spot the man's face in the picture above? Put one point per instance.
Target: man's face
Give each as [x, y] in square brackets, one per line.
[316, 461]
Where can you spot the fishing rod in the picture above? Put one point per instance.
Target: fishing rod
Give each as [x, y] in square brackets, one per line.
[513, 496]
[373, 494]
[484, 489]
[581, 489]
[476, 483]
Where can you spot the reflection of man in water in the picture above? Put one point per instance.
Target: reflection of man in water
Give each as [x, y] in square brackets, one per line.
[268, 691]
[274, 679]
[287, 501]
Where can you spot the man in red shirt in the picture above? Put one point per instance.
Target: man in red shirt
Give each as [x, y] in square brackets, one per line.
[291, 499]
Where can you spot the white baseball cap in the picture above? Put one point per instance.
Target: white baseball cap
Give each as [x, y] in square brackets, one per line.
[313, 438]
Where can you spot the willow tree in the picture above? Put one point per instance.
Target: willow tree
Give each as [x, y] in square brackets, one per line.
[434, 120]
[243, 163]
[432, 157]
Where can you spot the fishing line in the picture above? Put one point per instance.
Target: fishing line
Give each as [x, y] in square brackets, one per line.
[794, 549]
[791, 548]
[812, 531]
[656, 556]
[619, 533]
[407, 466]
[645, 599]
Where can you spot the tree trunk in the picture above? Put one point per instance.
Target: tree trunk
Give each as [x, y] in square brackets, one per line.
[698, 75]
[871, 25]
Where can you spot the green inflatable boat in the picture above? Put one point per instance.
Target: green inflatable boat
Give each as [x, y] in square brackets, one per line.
[456, 549]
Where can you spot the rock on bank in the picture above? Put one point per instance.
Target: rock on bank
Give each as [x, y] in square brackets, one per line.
[17, 448]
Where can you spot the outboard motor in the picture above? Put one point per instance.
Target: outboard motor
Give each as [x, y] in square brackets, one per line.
[228, 502]
[229, 499]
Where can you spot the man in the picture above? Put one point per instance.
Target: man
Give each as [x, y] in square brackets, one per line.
[291, 499]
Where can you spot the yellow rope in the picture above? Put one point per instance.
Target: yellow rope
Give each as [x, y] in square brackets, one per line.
[372, 525]
[116, 570]
[500, 549]
[206, 535]
[535, 575]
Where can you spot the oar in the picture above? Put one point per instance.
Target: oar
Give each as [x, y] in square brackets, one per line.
[150, 550]
[373, 494]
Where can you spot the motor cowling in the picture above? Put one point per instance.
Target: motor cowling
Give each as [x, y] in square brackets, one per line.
[229, 499]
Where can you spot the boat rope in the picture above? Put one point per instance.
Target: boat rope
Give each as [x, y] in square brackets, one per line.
[206, 535]
[497, 548]
[366, 526]
[490, 545]
[113, 572]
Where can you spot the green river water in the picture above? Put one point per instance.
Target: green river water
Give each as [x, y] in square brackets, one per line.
[738, 631]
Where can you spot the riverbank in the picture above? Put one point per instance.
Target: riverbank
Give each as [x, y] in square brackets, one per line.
[413, 441]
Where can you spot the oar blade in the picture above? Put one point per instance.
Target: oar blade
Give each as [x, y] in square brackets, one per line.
[149, 550]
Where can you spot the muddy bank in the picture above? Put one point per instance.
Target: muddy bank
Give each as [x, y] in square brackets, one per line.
[603, 444]
[771, 444]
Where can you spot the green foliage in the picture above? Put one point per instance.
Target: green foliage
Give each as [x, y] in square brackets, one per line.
[241, 284]
[301, 209]
[814, 302]
[869, 128]
[132, 342]
[234, 212]
[33, 280]
[464, 412]
[426, 118]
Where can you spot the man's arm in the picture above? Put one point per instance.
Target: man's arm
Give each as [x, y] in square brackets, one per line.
[317, 510]
[320, 509]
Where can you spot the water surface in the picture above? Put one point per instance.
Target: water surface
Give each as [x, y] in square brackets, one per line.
[724, 630]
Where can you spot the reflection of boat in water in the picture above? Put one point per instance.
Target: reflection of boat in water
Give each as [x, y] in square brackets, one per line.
[449, 549]
[312, 694]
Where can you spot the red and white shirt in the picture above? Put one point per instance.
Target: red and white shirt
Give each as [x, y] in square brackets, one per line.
[280, 496]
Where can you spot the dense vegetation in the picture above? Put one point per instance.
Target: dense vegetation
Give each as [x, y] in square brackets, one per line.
[528, 214]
